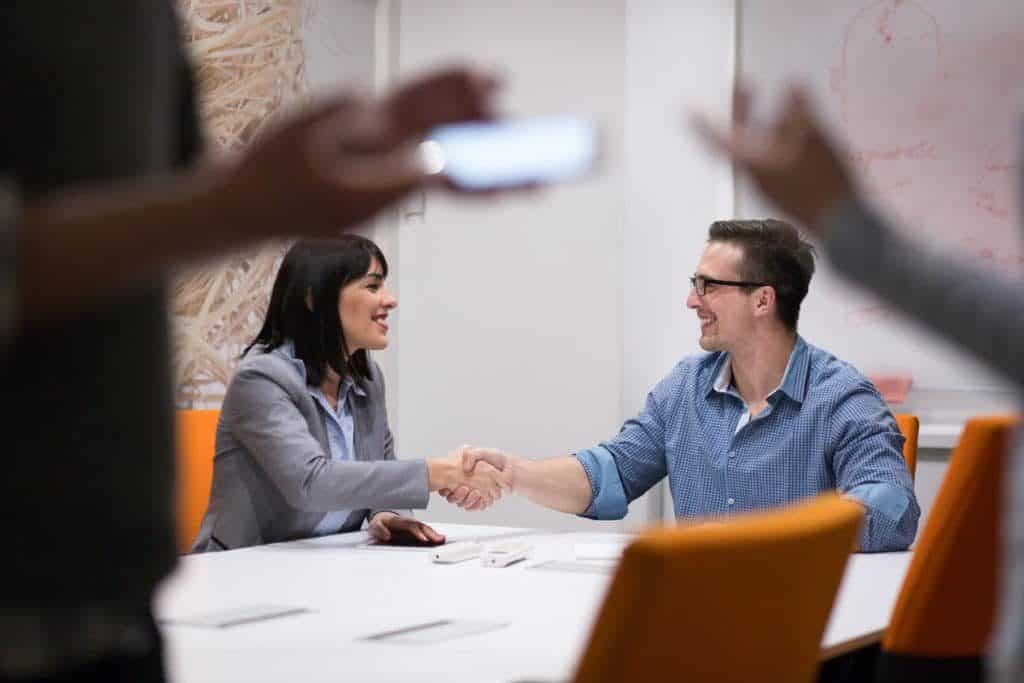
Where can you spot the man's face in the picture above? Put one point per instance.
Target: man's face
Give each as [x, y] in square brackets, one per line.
[726, 313]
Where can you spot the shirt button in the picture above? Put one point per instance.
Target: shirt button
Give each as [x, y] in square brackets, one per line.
[732, 454]
[731, 501]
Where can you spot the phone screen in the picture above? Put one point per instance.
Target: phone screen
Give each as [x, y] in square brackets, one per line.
[514, 152]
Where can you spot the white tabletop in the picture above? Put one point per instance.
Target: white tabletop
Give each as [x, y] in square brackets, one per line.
[353, 591]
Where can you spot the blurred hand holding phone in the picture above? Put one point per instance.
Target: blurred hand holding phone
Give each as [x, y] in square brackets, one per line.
[512, 152]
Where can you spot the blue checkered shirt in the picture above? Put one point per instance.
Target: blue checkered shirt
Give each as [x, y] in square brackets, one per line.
[825, 428]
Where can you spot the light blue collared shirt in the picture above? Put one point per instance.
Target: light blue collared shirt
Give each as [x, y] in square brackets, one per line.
[825, 428]
[340, 432]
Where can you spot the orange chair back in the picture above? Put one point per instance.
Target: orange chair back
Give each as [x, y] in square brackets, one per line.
[742, 600]
[946, 606]
[909, 426]
[196, 434]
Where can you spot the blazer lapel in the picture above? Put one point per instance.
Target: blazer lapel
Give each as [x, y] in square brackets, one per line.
[362, 420]
[318, 427]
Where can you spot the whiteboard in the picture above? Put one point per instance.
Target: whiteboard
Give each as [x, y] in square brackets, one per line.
[927, 96]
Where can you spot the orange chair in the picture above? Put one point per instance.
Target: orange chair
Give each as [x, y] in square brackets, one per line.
[945, 611]
[196, 433]
[909, 426]
[744, 600]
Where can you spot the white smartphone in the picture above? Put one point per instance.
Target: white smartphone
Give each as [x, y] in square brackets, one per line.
[512, 152]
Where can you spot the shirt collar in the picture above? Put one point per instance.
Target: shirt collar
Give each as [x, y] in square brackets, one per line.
[288, 350]
[794, 378]
[794, 381]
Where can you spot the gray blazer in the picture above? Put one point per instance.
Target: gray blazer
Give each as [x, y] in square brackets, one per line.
[273, 476]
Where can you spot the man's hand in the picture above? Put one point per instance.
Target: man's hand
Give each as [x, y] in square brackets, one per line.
[792, 161]
[342, 160]
[384, 525]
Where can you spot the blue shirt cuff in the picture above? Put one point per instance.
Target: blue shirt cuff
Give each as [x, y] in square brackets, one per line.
[885, 499]
[608, 497]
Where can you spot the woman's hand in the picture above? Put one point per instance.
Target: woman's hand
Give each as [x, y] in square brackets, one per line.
[385, 525]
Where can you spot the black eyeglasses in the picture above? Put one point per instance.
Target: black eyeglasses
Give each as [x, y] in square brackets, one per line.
[700, 283]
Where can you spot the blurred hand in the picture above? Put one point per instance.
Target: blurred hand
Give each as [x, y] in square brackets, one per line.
[344, 159]
[384, 524]
[792, 161]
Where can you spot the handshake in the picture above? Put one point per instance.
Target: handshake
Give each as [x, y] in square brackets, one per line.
[471, 477]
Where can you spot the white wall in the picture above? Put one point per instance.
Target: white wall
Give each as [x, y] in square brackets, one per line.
[339, 42]
[344, 49]
[679, 58]
[538, 323]
[931, 468]
[510, 314]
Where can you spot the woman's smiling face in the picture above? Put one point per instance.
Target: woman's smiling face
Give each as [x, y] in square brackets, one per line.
[363, 306]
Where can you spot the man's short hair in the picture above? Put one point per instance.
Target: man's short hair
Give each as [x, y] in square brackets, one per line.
[774, 253]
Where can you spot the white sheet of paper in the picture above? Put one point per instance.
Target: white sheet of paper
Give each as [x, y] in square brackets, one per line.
[233, 616]
[599, 551]
[435, 631]
[577, 567]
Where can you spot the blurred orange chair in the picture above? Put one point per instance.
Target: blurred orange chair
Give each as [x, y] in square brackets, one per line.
[943, 617]
[745, 600]
[196, 434]
[909, 426]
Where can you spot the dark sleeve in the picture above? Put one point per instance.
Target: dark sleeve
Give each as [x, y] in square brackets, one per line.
[191, 142]
[974, 308]
[9, 212]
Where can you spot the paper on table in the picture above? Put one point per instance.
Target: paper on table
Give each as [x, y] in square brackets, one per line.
[234, 616]
[435, 631]
[599, 551]
[578, 567]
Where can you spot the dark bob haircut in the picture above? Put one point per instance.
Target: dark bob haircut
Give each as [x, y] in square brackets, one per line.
[318, 269]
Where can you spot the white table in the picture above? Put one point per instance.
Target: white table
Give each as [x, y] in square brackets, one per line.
[355, 591]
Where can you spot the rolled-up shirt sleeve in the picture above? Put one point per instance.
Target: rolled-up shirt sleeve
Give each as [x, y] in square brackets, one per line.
[10, 211]
[869, 466]
[623, 468]
[608, 498]
[890, 519]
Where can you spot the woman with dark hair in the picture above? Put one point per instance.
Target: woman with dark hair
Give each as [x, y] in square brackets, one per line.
[303, 443]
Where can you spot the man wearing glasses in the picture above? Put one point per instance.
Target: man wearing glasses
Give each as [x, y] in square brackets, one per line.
[761, 420]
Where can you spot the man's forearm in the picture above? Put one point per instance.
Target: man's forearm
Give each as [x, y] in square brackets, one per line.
[557, 483]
